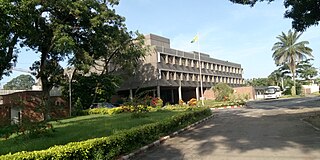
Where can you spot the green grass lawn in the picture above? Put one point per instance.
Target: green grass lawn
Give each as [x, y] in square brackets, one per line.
[79, 129]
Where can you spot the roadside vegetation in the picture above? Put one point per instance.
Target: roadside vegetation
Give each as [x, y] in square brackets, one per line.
[84, 128]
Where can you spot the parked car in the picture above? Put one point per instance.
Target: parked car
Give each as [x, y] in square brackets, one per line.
[102, 105]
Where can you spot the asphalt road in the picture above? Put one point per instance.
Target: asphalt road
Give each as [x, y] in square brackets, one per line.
[270, 129]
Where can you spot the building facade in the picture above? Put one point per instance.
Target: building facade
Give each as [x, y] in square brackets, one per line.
[173, 74]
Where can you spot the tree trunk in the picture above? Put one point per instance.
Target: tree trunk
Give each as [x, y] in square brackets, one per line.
[294, 92]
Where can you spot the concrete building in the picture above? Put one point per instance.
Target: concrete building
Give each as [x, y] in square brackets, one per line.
[173, 74]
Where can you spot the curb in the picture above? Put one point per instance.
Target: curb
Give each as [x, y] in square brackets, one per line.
[163, 139]
[227, 107]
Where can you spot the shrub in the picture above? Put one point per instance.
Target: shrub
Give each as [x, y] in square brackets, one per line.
[222, 91]
[156, 102]
[78, 107]
[115, 145]
[192, 102]
[181, 102]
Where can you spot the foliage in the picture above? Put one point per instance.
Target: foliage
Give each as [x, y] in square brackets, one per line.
[115, 145]
[304, 13]
[217, 104]
[181, 102]
[259, 82]
[27, 128]
[84, 31]
[156, 102]
[22, 82]
[192, 102]
[305, 70]
[221, 91]
[104, 125]
[289, 85]
[78, 107]
[289, 51]
[117, 110]
[84, 88]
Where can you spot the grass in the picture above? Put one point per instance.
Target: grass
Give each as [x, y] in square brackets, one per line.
[79, 129]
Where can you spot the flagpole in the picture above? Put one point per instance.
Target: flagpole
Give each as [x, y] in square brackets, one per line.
[200, 68]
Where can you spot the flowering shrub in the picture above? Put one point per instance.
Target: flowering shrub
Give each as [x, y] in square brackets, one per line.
[192, 102]
[156, 102]
[181, 102]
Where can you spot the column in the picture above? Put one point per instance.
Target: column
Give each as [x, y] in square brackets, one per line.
[179, 91]
[172, 96]
[131, 95]
[158, 91]
[197, 93]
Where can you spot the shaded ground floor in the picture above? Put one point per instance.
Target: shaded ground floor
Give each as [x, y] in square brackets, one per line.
[167, 94]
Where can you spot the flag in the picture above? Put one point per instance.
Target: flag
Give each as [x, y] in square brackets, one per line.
[195, 39]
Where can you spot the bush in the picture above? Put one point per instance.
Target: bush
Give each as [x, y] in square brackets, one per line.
[156, 102]
[118, 144]
[78, 107]
[192, 102]
[117, 110]
[222, 92]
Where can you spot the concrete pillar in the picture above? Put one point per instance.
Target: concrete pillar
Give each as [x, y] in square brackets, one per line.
[172, 96]
[131, 95]
[158, 91]
[179, 91]
[197, 93]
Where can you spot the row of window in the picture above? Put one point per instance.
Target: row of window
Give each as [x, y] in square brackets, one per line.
[168, 75]
[195, 63]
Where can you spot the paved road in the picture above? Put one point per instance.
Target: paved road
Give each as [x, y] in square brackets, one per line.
[264, 130]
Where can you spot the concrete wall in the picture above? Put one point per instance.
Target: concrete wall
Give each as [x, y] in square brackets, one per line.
[308, 89]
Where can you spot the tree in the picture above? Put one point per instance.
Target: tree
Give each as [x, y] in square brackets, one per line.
[305, 70]
[222, 91]
[289, 51]
[83, 30]
[260, 82]
[304, 13]
[22, 82]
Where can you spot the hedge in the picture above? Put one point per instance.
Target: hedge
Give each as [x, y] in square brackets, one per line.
[115, 145]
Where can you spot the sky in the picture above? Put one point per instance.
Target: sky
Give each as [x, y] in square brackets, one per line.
[227, 31]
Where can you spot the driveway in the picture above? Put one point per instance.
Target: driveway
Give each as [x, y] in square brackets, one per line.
[265, 130]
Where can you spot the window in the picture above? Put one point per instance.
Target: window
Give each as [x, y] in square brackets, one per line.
[189, 62]
[183, 61]
[170, 59]
[171, 75]
[162, 58]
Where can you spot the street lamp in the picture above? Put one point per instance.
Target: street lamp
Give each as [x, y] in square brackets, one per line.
[70, 74]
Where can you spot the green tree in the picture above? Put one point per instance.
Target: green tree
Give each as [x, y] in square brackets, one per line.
[222, 91]
[260, 82]
[305, 13]
[83, 30]
[22, 82]
[305, 70]
[289, 51]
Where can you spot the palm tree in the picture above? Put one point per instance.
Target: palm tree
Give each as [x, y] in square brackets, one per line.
[289, 51]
